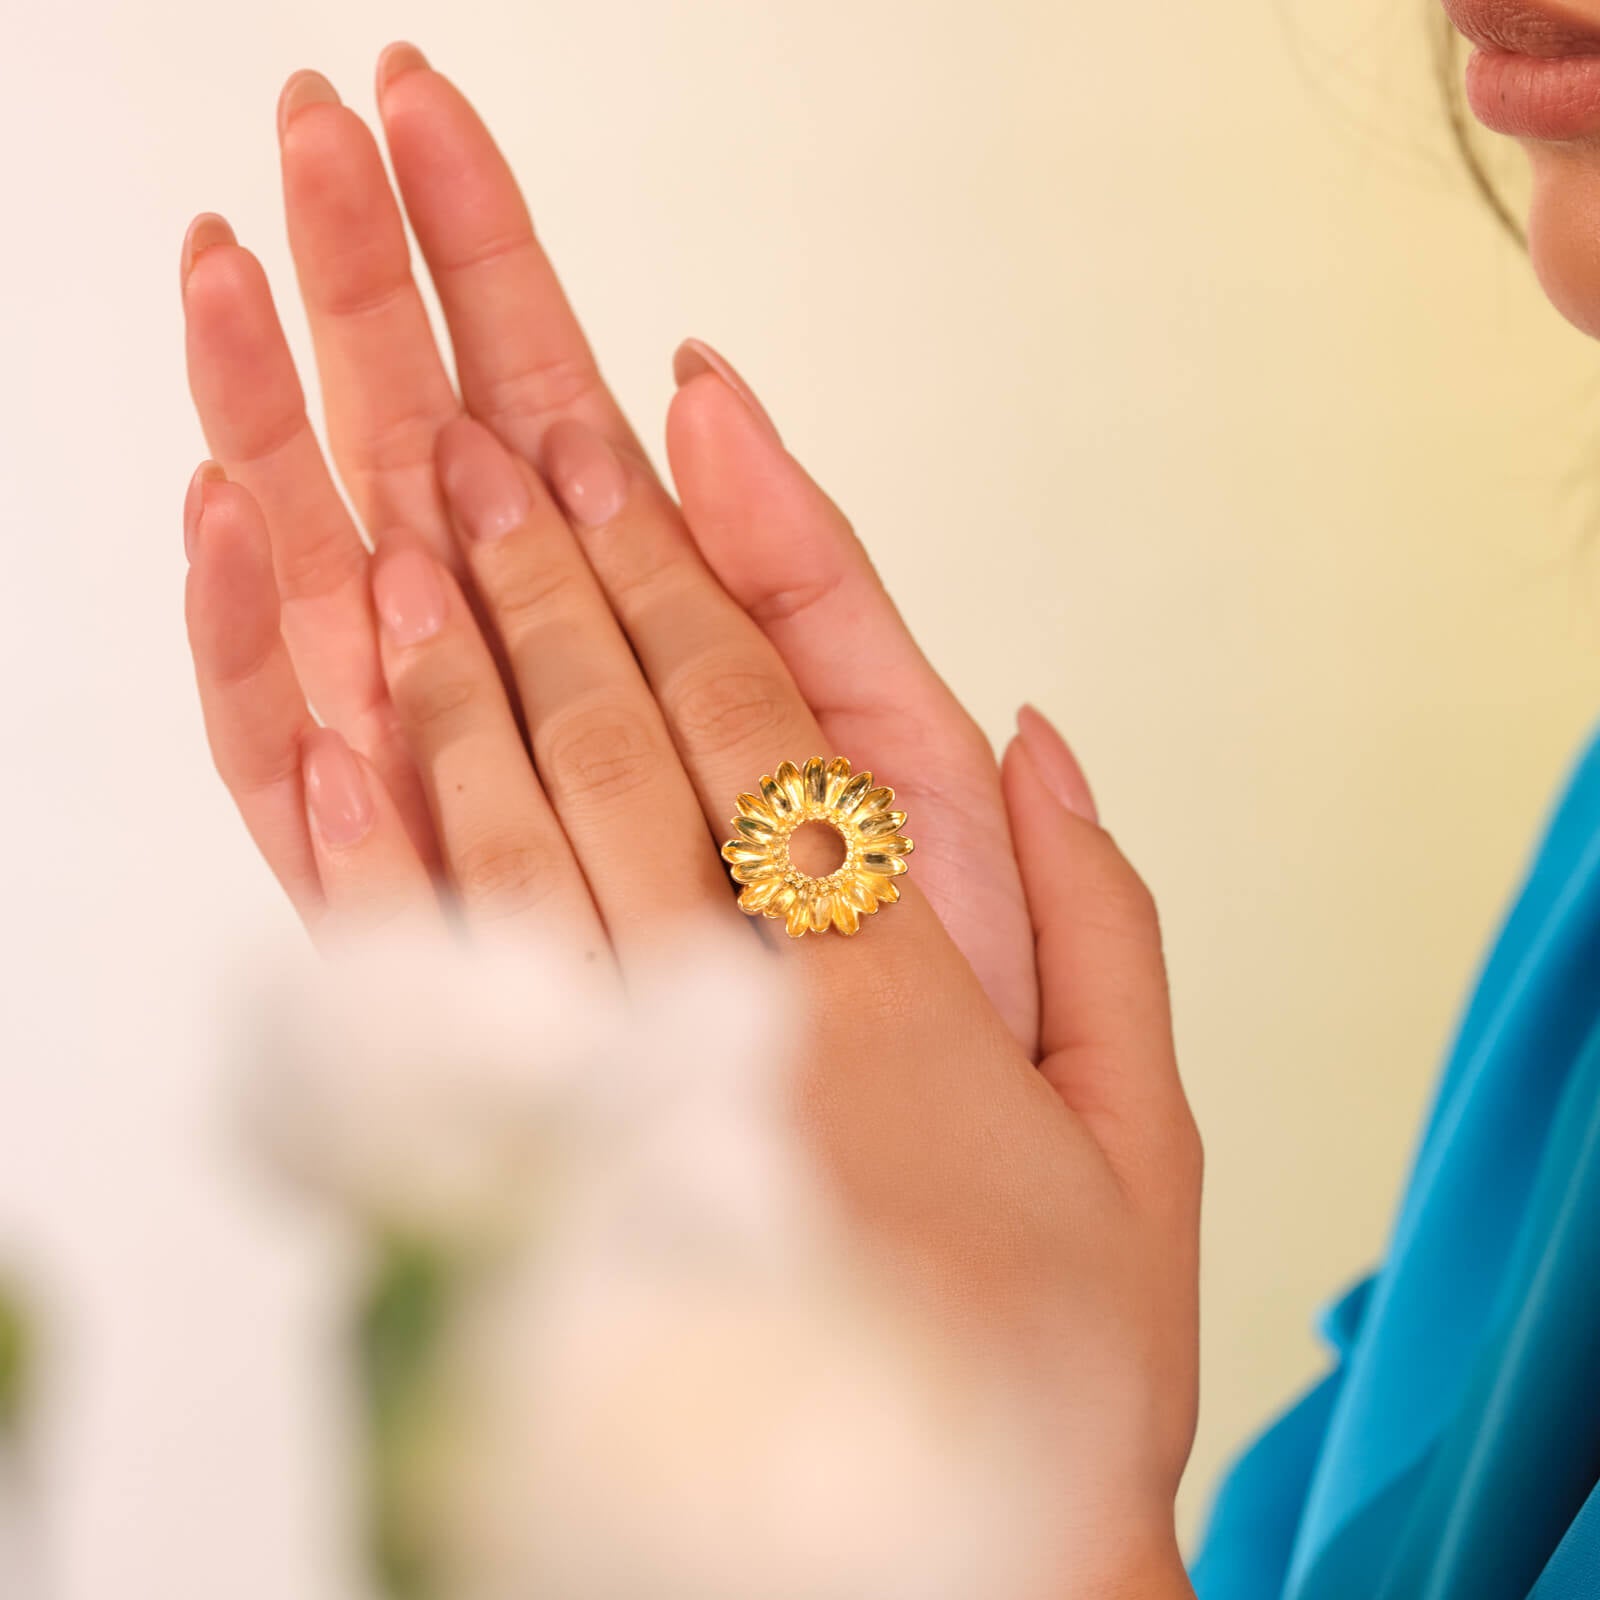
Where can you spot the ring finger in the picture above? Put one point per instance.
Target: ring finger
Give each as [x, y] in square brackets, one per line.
[732, 708]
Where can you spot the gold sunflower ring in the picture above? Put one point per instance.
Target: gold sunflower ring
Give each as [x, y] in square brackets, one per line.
[821, 792]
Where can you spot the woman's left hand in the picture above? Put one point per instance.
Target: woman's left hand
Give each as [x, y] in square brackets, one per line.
[750, 599]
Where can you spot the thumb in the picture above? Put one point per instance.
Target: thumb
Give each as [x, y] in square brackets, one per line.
[1105, 1018]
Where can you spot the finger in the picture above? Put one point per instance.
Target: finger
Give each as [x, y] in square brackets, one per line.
[733, 710]
[501, 841]
[252, 409]
[1106, 1028]
[785, 552]
[789, 557]
[521, 357]
[255, 714]
[370, 873]
[602, 749]
[385, 390]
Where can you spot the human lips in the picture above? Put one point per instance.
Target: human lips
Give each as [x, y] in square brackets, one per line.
[1535, 73]
[1517, 28]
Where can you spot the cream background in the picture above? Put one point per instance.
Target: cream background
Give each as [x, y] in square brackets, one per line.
[1170, 340]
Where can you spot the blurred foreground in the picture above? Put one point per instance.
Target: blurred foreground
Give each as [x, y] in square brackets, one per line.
[596, 1333]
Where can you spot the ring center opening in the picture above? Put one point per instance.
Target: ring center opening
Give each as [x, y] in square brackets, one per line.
[816, 849]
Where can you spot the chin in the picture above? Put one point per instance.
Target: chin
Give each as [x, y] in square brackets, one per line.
[1564, 230]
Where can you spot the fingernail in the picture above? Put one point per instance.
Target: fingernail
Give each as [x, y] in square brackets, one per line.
[304, 88]
[695, 356]
[409, 596]
[336, 790]
[206, 232]
[1056, 764]
[484, 486]
[588, 479]
[194, 500]
[396, 60]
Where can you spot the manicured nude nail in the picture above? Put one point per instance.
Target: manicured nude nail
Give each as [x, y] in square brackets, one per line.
[206, 232]
[694, 357]
[336, 790]
[1055, 763]
[589, 480]
[483, 484]
[396, 60]
[304, 88]
[194, 500]
[409, 596]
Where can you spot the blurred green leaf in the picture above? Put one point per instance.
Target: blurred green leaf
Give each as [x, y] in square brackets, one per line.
[400, 1333]
[14, 1360]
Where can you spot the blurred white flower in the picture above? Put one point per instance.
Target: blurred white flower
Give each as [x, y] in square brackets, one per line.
[421, 1084]
[672, 1376]
[676, 1419]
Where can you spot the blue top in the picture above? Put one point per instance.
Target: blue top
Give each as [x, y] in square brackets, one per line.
[1453, 1452]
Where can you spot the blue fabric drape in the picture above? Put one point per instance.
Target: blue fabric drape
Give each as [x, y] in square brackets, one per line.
[1453, 1452]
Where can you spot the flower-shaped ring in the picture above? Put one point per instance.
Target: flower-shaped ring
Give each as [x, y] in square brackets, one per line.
[875, 849]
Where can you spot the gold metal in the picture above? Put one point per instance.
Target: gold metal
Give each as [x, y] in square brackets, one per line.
[875, 849]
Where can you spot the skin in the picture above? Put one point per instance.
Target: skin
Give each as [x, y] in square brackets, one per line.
[545, 648]
[1563, 224]
[1564, 210]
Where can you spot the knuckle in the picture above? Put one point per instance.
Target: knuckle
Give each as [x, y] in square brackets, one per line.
[246, 780]
[721, 706]
[503, 873]
[604, 753]
[1119, 910]
[1140, 903]
[268, 437]
[973, 750]
[431, 703]
[778, 606]
[368, 288]
[646, 582]
[528, 593]
[493, 250]
[319, 560]
[1163, 1166]
[1187, 1151]
[376, 725]
[1124, 895]
[396, 444]
[549, 386]
[235, 664]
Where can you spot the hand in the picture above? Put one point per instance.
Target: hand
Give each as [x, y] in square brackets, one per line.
[989, 1070]
[523, 366]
